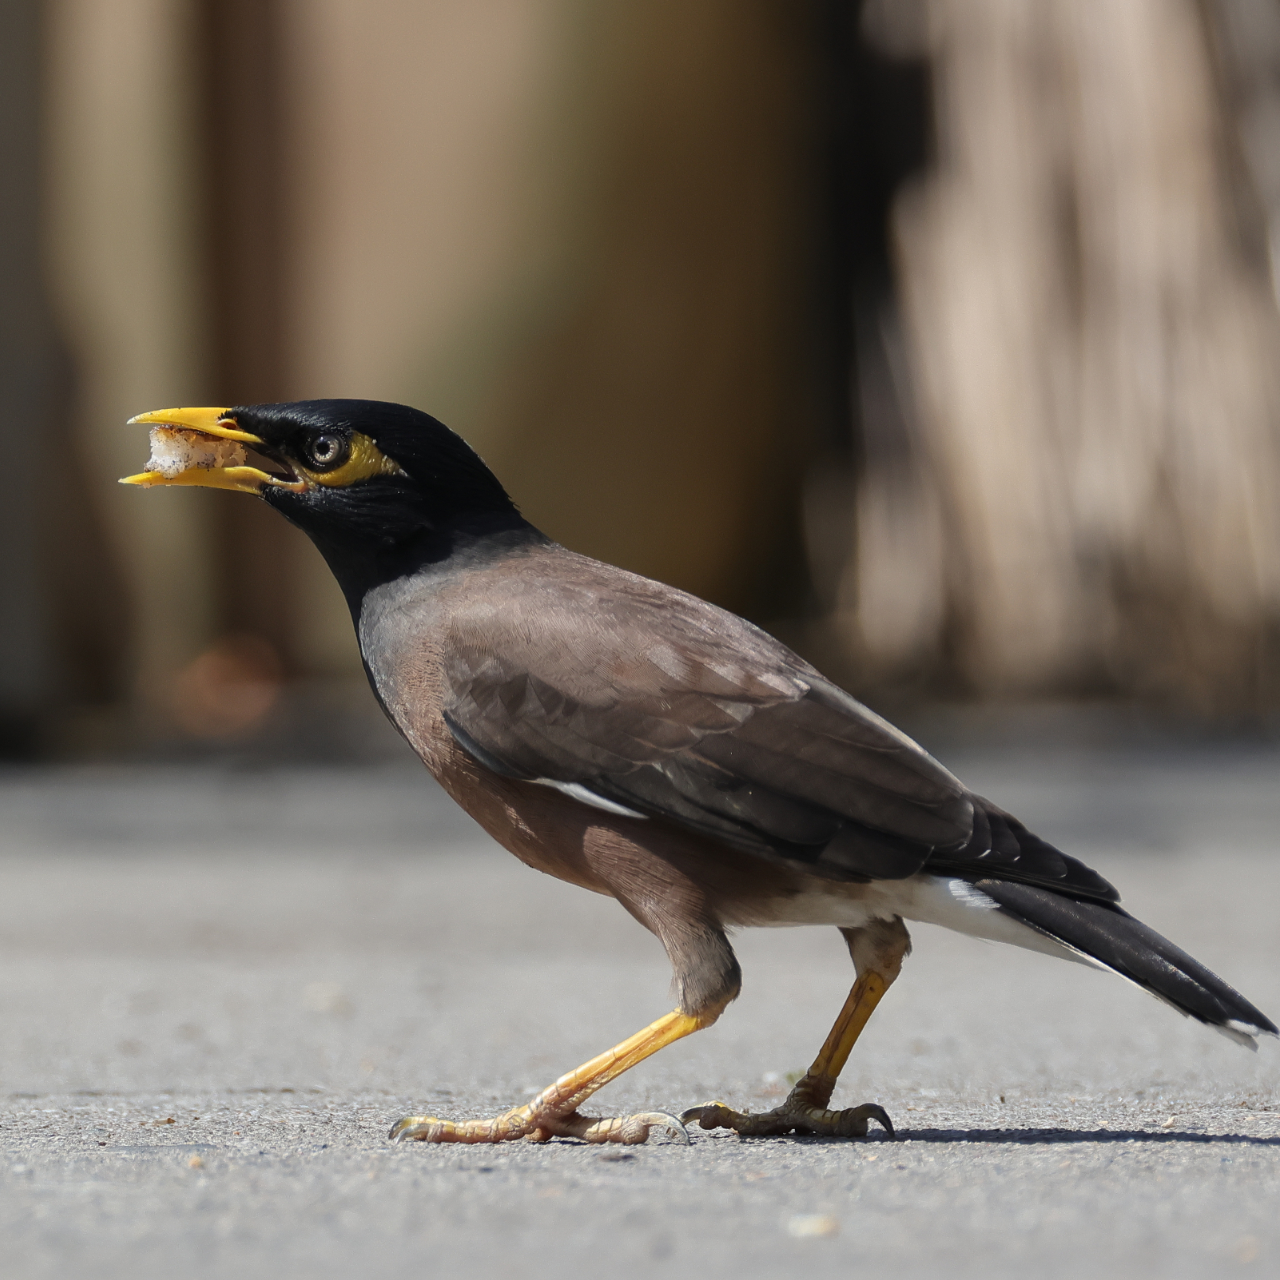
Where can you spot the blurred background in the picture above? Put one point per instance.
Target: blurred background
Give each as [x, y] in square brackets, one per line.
[939, 336]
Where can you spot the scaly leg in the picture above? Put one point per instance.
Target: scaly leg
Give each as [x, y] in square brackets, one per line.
[554, 1112]
[878, 950]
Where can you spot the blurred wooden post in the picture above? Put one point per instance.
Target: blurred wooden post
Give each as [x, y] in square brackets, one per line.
[1097, 353]
[662, 420]
[584, 236]
[120, 239]
[240, 47]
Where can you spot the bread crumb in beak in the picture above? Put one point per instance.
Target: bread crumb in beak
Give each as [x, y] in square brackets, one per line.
[175, 450]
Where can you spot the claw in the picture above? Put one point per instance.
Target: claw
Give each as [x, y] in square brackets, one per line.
[872, 1111]
[667, 1121]
[707, 1112]
[411, 1128]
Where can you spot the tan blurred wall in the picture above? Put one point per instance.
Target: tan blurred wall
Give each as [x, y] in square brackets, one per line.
[662, 417]
[424, 181]
[576, 234]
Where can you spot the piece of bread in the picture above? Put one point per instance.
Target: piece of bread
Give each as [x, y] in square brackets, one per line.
[175, 450]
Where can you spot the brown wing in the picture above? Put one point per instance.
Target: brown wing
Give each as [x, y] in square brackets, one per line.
[650, 699]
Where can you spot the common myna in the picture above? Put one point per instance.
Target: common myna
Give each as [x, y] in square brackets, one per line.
[637, 741]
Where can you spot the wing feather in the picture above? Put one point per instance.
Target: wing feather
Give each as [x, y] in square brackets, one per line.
[667, 705]
[610, 685]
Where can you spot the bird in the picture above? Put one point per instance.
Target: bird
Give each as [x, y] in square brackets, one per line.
[639, 742]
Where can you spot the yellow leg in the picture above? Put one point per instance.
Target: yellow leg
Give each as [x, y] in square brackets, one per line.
[554, 1112]
[805, 1110]
[813, 1090]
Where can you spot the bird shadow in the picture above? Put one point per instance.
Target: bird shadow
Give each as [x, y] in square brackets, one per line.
[1052, 1137]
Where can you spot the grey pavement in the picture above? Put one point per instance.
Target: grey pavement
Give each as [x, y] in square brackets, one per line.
[219, 986]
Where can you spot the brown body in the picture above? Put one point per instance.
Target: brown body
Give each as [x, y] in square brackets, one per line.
[684, 887]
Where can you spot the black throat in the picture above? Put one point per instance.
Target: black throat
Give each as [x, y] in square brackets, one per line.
[369, 558]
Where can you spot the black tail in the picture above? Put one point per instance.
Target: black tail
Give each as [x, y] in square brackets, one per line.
[1114, 938]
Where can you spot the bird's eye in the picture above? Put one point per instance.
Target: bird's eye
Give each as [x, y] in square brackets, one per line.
[326, 451]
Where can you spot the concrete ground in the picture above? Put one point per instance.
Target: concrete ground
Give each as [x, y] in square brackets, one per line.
[219, 987]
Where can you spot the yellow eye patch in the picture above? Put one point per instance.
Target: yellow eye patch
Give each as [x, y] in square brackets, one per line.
[364, 460]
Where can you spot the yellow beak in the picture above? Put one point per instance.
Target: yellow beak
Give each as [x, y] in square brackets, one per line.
[183, 428]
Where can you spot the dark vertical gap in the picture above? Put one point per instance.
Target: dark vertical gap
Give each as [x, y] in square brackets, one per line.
[837, 202]
[240, 47]
[785, 595]
[872, 116]
[63, 605]
[890, 141]
[27, 677]
[64, 609]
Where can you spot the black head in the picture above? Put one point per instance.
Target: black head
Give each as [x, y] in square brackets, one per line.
[381, 489]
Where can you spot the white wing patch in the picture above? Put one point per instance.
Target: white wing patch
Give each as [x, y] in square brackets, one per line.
[969, 896]
[584, 795]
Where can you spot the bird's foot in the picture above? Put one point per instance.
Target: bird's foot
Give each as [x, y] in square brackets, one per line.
[803, 1112]
[554, 1112]
[536, 1123]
